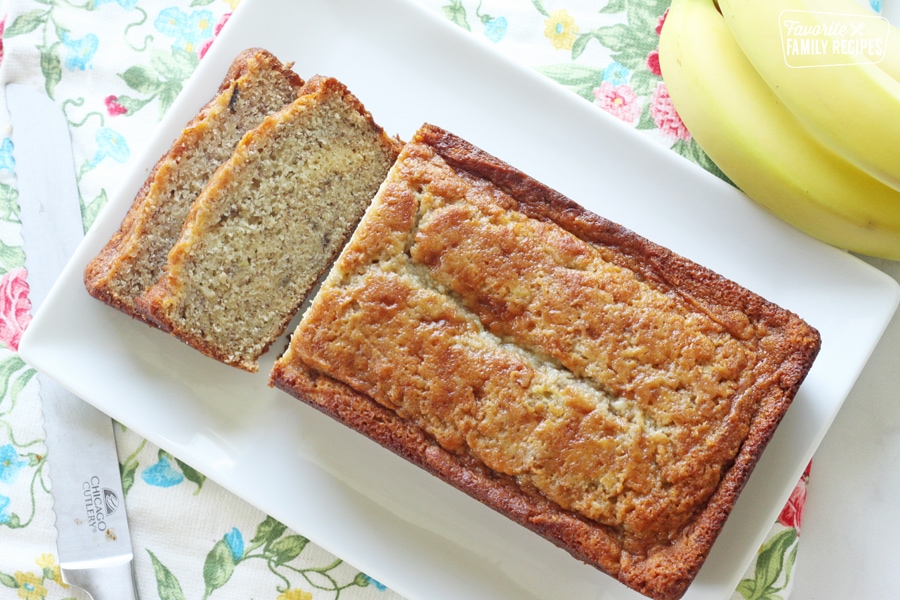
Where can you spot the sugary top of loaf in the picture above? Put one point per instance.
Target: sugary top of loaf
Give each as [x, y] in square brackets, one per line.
[524, 334]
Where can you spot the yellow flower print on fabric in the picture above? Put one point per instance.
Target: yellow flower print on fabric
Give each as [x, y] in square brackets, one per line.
[30, 586]
[295, 595]
[560, 29]
[47, 562]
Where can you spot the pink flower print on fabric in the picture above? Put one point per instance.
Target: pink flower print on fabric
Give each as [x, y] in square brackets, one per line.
[113, 107]
[653, 56]
[15, 307]
[661, 22]
[653, 63]
[664, 115]
[618, 100]
[205, 47]
[2, 29]
[792, 513]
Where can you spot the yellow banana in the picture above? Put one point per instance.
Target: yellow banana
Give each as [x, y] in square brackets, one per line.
[852, 109]
[758, 143]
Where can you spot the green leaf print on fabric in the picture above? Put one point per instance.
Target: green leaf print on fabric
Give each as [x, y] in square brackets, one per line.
[218, 567]
[613, 7]
[130, 105]
[267, 532]
[281, 553]
[539, 6]
[26, 23]
[50, 62]
[774, 562]
[192, 475]
[91, 209]
[631, 42]
[161, 80]
[9, 203]
[456, 13]
[51, 67]
[167, 585]
[141, 79]
[127, 471]
[14, 376]
[7, 580]
[56, 40]
[287, 548]
[10, 257]
[128, 468]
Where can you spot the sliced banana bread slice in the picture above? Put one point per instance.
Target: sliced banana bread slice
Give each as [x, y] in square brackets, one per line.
[269, 223]
[256, 85]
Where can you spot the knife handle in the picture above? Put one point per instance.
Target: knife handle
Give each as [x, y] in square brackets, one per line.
[106, 582]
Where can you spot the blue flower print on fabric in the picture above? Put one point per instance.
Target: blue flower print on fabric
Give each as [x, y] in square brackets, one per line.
[7, 160]
[235, 542]
[162, 474]
[112, 144]
[10, 463]
[79, 51]
[374, 582]
[4, 504]
[188, 30]
[495, 29]
[616, 73]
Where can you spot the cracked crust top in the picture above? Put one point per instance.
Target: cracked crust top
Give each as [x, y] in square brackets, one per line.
[587, 383]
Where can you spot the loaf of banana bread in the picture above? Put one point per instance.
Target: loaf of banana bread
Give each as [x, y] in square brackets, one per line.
[587, 383]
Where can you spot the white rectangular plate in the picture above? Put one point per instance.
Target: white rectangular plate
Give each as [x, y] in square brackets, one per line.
[390, 519]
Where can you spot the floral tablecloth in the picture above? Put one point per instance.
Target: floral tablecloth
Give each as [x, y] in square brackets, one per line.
[114, 67]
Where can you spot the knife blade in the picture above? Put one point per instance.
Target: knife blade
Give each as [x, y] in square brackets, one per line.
[93, 539]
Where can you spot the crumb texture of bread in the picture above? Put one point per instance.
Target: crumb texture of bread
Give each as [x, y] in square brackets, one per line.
[538, 356]
[269, 223]
[256, 85]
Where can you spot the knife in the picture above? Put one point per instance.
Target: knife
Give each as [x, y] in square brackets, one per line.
[93, 540]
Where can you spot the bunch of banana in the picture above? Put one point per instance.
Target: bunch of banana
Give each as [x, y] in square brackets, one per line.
[858, 125]
[805, 143]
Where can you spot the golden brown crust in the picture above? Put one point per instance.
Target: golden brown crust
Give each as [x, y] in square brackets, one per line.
[501, 493]
[502, 337]
[120, 258]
